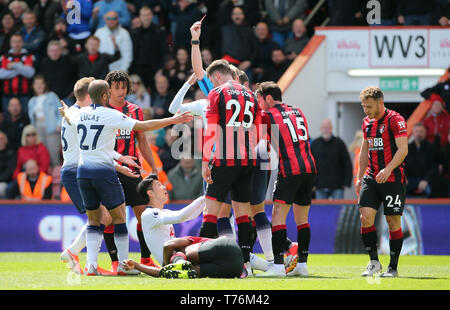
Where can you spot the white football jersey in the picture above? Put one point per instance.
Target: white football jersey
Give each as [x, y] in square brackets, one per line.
[197, 107]
[157, 225]
[69, 141]
[96, 128]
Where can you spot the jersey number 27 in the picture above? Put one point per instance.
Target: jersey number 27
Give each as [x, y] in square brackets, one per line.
[83, 128]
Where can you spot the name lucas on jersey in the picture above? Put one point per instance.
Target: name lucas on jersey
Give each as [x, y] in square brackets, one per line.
[89, 117]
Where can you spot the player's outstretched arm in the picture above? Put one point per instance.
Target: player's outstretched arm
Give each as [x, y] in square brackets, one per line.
[189, 212]
[196, 56]
[64, 111]
[155, 124]
[177, 101]
[129, 264]
[126, 171]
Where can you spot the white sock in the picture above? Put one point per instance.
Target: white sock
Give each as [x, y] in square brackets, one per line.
[93, 242]
[80, 242]
[265, 240]
[121, 240]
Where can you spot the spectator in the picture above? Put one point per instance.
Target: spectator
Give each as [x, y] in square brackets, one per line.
[92, 63]
[162, 176]
[7, 164]
[32, 148]
[443, 180]
[442, 89]
[263, 56]
[295, 45]
[278, 66]
[280, 17]
[103, 7]
[14, 123]
[415, 12]
[33, 36]
[7, 29]
[44, 115]
[165, 152]
[18, 8]
[138, 94]
[149, 47]
[346, 12]
[388, 12]
[207, 57]
[420, 163]
[186, 13]
[59, 72]
[46, 12]
[16, 71]
[122, 39]
[59, 33]
[238, 41]
[443, 13]
[252, 10]
[437, 123]
[162, 97]
[334, 166]
[78, 28]
[182, 69]
[32, 184]
[186, 179]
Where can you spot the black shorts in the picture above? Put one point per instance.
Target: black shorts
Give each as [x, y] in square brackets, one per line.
[220, 258]
[260, 182]
[391, 194]
[236, 180]
[132, 196]
[294, 189]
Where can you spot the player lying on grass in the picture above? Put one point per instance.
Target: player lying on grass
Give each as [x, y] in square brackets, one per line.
[157, 222]
[197, 257]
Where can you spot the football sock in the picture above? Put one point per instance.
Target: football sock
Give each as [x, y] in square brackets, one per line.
[264, 232]
[209, 226]
[303, 238]
[254, 234]
[395, 245]
[279, 235]
[244, 236]
[287, 244]
[145, 252]
[369, 238]
[121, 240]
[108, 236]
[80, 241]
[93, 243]
[224, 227]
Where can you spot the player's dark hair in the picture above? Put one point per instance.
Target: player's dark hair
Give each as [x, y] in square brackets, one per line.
[220, 65]
[269, 88]
[119, 76]
[146, 184]
[242, 76]
[373, 92]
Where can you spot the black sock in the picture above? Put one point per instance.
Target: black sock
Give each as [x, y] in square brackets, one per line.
[287, 244]
[303, 238]
[369, 238]
[254, 235]
[279, 235]
[209, 227]
[108, 236]
[145, 252]
[395, 246]
[244, 236]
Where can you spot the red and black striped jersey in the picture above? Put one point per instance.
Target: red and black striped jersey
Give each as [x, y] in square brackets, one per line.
[380, 135]
[126, 139]
[287, 130]
[18, 85]
[233, 119]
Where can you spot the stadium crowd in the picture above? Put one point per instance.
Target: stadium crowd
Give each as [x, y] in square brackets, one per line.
[45, 46]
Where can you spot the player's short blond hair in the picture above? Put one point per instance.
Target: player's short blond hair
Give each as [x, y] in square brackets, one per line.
[373, 92]
[80, 90]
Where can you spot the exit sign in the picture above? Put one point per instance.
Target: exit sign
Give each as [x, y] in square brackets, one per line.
[399, 83]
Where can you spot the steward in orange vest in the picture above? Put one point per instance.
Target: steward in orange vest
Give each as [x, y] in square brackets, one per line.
[38, 189]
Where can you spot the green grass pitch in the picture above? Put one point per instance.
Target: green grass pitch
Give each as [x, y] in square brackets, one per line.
[44, 271]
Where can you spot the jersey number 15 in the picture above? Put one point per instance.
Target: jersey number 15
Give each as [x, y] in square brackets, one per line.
[300, 126]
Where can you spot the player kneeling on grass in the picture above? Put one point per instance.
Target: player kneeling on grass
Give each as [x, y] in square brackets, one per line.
[192, 257]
